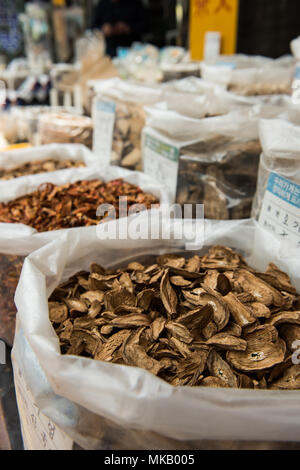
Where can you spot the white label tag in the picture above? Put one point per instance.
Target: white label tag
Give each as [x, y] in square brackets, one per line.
[38, 431]
[161, 162]
[280, 213]
[104, 122]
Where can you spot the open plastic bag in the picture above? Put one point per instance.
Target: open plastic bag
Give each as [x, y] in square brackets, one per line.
[65, 128]
[213, 161]
[58, 152]
[119, 119]
[108, 406]
[16, 242]
[247, 75]
[280, 158]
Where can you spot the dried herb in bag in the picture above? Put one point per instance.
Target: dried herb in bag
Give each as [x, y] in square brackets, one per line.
[208, 321]
[10, 270]
[53, 207]
[220, 173]
[38, 166]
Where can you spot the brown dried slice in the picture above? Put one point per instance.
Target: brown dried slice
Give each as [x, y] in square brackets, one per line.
[179, 281]
[227, 342]
[96, 268]
[240, 313]
[171, 260]
[233, 329]
[106, 350]
[284, 317]
[220, 369]
[259, 310]
[90, 340]
[179, 331]
[217, 281]
[126, 282]
[92, 295]
[198, 318]
[289, 381]
[135, 267]
[133, 320]
[145, 298]
[65, 330]
[58, 313]
[180, 346]
[210, 330]
[168, 294]
[157, 327]
[262, 291]
[213, 382]
[221, 257]
[290, 333]
[100, 281]
[185, 273]
[245, 381]
[116, 298]
[135, 355]
[193, 264]
[106, 330]
[264, 350]
[77, 305]
[277, 278]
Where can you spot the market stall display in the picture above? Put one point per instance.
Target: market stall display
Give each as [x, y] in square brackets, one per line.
[250, 76]
[212, 161]
[139, 410]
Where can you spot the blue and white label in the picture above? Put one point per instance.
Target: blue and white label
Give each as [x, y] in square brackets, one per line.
[280, 213]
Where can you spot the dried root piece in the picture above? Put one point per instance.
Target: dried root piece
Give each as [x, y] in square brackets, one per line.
[208, 321]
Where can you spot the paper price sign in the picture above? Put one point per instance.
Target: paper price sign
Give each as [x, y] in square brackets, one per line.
[280, 213]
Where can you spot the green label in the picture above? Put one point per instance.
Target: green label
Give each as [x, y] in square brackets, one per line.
[163, 149]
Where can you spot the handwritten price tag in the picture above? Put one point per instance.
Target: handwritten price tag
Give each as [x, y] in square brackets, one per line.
[38, 431]
[280, 213]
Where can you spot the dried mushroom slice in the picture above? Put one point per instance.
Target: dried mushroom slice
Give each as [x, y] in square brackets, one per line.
[205, 321]
[198, 318]
[105, 351]
[240, 313]
[284, 317]
[168, 295]
[261, 291]
[213, 382]
[221, 369]
[290, 333]
[179, 331]
[58, 313]
[264, 350]
[277, 278]
[221, 257]
[289, 381]
[227, 342]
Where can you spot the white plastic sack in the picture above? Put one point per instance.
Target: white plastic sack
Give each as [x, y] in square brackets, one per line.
[249, 75]
[10, 190]
[102, 405]
[59, 152]
[16, 242]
